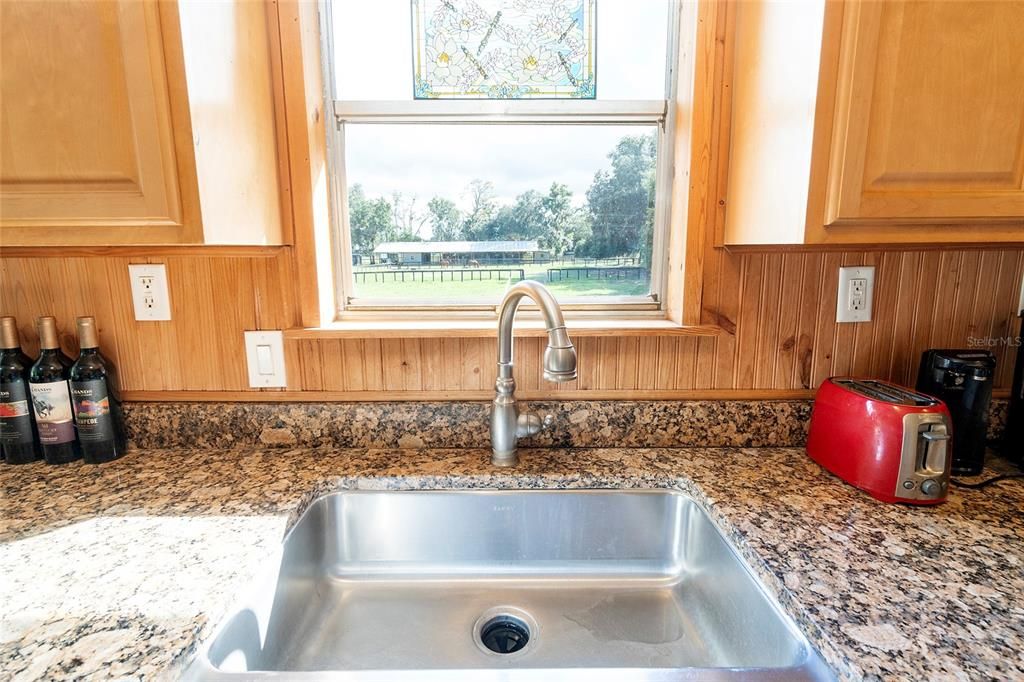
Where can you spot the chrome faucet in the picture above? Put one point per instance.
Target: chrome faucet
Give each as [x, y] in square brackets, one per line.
[507, 424]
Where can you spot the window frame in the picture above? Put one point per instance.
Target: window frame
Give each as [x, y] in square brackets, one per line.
[658, 112]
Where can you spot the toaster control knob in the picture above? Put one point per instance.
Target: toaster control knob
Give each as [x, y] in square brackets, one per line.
[931, 488]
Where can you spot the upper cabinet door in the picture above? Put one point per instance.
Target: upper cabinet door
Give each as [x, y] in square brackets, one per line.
[95, 143]
[928, 126]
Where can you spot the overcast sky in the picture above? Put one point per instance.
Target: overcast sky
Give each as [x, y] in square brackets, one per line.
[431, 160]
[373, 58]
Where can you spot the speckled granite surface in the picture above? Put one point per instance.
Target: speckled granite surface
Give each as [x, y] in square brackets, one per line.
[578, 423]
[118, 571]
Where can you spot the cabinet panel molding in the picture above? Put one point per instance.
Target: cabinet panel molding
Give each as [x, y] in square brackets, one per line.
[91, 139]
[927, 136]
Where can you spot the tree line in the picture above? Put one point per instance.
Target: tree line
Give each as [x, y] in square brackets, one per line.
[615, 220]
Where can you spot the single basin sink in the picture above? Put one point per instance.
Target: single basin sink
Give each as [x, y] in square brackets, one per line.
[510, 585]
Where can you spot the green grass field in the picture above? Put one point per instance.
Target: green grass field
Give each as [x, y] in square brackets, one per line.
[491, 290]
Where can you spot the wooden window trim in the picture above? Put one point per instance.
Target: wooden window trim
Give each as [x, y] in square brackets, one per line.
[302, 145]
[529, 326]
[299, 89]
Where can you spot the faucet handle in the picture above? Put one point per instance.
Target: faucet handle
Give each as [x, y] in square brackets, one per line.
[531, 423]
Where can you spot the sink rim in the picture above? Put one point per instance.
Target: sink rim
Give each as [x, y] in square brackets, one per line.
[810, 662]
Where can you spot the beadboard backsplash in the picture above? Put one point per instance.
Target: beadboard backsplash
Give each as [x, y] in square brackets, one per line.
[776, 310]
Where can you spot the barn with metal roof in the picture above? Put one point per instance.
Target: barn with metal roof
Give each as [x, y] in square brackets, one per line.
[433, 253]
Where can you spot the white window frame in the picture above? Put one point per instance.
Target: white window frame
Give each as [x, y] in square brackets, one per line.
[490, 112]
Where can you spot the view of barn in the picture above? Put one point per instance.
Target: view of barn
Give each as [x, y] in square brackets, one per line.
[596, 245]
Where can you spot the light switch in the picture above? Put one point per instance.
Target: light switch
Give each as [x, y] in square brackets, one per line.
[264, 359]
[264, 353]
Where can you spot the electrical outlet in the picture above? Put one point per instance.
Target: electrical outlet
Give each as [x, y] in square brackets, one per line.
[856, 291]
[149, 292]
[264, 354]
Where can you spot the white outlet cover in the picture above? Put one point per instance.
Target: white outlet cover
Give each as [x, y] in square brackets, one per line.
[155, 304]
[844, 313]
[264, 355]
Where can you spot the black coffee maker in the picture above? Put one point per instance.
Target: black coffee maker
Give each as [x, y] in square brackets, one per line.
[1013, 439]
[963, 380]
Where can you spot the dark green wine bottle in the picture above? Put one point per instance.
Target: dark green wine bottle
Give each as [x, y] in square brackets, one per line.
[51, 398]
[19, 441]
[97, 410]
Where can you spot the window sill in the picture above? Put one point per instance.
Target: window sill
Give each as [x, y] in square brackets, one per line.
[480, 328]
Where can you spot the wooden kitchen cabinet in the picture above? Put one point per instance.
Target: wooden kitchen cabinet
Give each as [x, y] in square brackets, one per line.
[95, 145]
[138, 122]
[920, 132]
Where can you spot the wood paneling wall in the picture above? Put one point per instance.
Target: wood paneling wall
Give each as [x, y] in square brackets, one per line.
[778, 309]
[213, 299]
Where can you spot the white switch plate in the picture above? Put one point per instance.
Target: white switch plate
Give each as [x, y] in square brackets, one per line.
[856, 291]
[149, 292]
[264, 354]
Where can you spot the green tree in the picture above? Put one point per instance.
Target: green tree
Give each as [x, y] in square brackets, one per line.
[407, 220]
[522, 220]
[483, 208]
[619, 201]
[565, 226]
[369, 220]
[647, 234]
[445, 220]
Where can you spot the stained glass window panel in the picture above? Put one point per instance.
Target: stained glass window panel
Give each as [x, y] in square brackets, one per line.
[373, 52]
[504, 49]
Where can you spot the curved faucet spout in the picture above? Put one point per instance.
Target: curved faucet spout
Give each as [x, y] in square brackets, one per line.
[507, 425]
[560, 356]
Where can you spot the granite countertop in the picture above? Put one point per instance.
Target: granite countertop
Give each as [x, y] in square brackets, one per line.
[120, 571]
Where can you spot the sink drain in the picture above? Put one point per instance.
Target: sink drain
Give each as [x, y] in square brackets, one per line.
[504, 634]
[504, 630]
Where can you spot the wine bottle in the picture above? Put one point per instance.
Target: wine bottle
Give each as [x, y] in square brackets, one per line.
[19, 441]
[97, 412]
[51, 398]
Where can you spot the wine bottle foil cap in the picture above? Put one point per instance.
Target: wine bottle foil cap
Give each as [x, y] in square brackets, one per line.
[48, 332]
[87, 334]
[9, 333]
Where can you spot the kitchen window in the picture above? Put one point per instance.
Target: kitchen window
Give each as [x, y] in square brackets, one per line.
[479, 142]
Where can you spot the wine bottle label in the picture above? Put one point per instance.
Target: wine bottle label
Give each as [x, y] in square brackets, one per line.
[92, 410]
[15, 417]
[51, 403]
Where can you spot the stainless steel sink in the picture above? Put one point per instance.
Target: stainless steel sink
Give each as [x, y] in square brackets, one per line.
[589, 585]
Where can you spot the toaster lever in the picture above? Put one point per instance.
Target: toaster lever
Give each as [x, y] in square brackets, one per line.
[935, 448]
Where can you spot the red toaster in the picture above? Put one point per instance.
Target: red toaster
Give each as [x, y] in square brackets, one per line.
[890, 441]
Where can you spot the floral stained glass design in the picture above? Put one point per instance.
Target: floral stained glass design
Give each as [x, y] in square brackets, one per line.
[504, 49]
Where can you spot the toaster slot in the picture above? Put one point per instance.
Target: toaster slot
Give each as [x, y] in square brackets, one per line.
[886, 392]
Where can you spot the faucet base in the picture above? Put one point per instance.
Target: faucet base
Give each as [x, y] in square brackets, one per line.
[504, 459]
